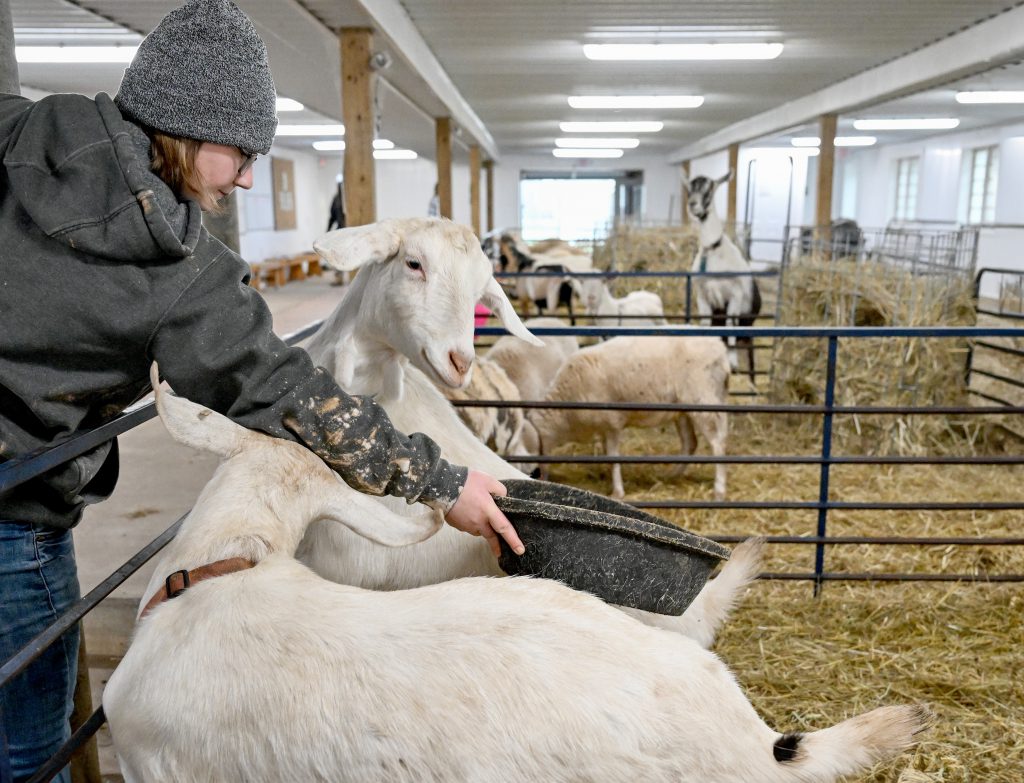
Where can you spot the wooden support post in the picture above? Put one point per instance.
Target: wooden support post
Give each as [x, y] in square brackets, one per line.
[826, 166]
[474, 188]
[444, 166]
[734, 164]
[357, 112]
[686, 178]
[489, 168]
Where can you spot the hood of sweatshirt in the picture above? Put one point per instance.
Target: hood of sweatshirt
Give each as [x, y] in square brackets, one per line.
[82, 174]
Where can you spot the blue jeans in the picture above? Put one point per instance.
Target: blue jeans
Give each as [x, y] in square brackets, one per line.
[38, 582]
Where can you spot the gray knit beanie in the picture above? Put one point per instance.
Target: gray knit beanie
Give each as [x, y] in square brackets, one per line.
[203, 74]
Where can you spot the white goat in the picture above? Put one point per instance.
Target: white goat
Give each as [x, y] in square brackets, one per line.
[628, 310]
[681, 370]
[558, 262]
[274, 674]
[723, 299]
[378, 341]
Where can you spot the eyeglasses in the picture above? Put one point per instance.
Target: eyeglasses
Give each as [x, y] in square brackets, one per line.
[248, 158]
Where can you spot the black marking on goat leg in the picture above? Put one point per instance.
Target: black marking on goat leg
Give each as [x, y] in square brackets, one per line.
[786, 747]
[749, 320]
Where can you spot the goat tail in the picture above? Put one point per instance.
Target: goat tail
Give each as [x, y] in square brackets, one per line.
[704, 618]
[851, 746]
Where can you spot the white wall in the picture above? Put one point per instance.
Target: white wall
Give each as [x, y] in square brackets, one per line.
[941, 173]
[314, 188]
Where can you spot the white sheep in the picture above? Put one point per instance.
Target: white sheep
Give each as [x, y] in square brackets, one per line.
[726, 300]
[379, 341]
[532, 367]
[637, 308]
[681, 370]
[274, 674]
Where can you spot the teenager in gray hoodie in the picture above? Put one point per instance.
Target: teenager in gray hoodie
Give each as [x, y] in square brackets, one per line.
[106, 267]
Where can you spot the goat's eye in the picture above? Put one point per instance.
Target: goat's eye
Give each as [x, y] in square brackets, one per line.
[413, 264]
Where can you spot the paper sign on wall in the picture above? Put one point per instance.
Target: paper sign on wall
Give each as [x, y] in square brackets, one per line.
[283, 173]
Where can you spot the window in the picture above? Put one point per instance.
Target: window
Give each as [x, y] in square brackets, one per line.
[981, 204]
[906, 188]
[572, 209]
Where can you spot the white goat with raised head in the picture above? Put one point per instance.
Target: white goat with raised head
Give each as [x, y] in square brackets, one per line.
[637, 308]
[272, 673]
[409, 307]
[726, 300]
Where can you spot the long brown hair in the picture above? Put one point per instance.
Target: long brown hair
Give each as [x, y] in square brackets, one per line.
[174, 161]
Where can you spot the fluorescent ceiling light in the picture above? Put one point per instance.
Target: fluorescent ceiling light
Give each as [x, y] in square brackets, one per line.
[990, 96]
[395, 154]
[74, 54]
[338, 145]
[310, 130]
[562, 152]
[840, 141]
[932, 123]
[683, 51]
[640, 126]
[287, 104]
[597, 143]
[855, 141]
[788, 152]
[635, 101]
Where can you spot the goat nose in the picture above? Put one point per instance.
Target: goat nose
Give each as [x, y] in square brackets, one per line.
[459, 362]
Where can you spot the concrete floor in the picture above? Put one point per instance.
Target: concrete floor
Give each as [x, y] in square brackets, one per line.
[159, 481]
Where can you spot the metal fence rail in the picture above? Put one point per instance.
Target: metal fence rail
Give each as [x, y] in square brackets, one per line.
[1009, 308]
[688, 276]
[828, 411]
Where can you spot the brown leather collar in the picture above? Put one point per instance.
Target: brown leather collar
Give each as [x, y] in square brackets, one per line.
[179, 581]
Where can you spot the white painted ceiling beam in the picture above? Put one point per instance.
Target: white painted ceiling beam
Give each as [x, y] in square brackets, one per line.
[392, 20]
[985, 45]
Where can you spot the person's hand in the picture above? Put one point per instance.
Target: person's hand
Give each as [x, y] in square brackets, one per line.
[475, 512]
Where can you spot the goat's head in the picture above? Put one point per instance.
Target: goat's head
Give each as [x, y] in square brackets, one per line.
[590, 291]
[700, 194]
[427, 276]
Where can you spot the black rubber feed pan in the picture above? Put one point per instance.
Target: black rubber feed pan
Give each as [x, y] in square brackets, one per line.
[610, 549]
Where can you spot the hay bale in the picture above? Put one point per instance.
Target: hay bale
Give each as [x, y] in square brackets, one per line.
[875, 371]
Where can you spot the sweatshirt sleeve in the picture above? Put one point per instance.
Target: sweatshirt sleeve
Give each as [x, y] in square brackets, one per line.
[215, 345]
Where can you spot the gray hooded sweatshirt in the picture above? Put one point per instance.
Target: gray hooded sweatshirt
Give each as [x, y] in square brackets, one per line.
[102, 272]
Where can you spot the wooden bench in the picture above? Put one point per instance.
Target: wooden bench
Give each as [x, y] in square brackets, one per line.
[269, 272]
[278, 271]
[313, 266]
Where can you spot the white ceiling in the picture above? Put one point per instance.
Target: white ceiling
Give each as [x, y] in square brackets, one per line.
[515, 63]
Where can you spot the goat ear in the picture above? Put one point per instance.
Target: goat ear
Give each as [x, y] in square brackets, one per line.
[350, 248]
[195, 425]
[373, 520]
[724, 178]
[499, 304]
